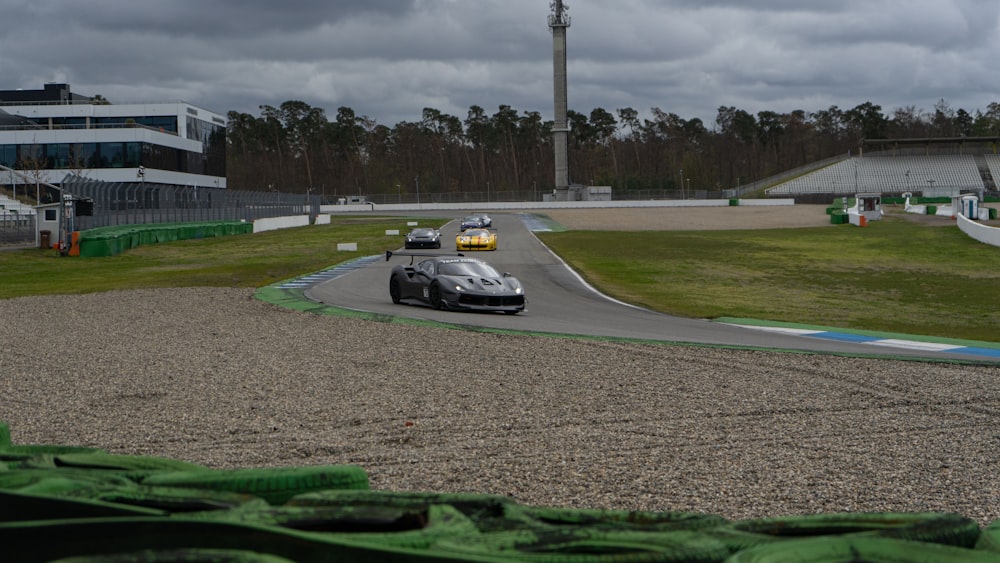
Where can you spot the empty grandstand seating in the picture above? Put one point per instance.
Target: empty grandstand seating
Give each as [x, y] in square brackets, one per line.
[12, 208]
[940, 174]
[993, 164]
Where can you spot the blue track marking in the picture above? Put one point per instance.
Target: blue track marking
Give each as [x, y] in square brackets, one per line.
[883, 342]
[330, 273]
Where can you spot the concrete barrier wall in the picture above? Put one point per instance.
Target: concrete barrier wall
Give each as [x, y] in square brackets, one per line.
[272, 223]
[982, 233]
[515, 205]
[785, 201]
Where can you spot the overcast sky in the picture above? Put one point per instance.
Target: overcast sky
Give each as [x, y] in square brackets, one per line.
[389, 59]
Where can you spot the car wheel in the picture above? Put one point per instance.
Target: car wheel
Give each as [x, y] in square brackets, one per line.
[394, 290]
[434, 296]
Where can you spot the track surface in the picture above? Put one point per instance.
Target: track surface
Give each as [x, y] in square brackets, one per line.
[560, 302]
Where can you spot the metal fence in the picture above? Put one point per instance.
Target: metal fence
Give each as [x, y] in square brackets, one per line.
[127, 203]
[502, 196]
[16, 228]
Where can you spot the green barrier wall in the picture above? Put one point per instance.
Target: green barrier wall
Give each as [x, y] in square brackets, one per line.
[108, 241]
[71, 503]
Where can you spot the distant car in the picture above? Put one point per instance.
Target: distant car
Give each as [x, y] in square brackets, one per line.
[471, 222]
[423, 237]
[455, 283]
[485, 220]
[476, 239]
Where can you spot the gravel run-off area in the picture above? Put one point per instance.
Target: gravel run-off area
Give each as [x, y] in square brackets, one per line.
[218, 377]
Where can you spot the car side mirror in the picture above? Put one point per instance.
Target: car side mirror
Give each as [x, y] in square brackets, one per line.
[506, 274]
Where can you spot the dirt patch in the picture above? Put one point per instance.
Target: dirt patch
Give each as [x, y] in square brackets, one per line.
[691, 218]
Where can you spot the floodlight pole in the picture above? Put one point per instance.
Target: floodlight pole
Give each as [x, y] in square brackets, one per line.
[559, 22]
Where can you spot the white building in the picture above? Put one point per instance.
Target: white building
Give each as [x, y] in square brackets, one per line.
[50, 133]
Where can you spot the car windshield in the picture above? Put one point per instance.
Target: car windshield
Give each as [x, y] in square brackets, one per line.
[467, 268]
[422, 233]
[476, 233]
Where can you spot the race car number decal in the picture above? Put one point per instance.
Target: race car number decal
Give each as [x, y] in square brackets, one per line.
[426, 293]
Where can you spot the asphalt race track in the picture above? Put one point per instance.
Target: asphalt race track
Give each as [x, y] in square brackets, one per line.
[558, 301]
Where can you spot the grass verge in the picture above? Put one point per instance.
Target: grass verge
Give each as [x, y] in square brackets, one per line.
[894, 276]
[235, 261]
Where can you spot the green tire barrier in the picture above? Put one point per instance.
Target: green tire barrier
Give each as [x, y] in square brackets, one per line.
[16, 506]
[120, 489]
[928, 527]
[103, 460]
[362, 524]
[488, 512]
[13, 454]
[275, 485]
[45, 541]
[588, 546]
[838, 550]
[109, 241]
[179, 556]
[173, 500]
[131, 467]
[66, 503]
[623, 519]
[989, 538]
[63, 482]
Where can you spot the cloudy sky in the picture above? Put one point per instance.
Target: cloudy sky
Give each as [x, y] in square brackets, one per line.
[390, 59]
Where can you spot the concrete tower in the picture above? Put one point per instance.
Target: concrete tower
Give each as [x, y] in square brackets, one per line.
[559, 22]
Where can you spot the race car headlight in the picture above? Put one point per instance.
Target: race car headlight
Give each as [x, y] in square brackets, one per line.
[517, 290]
[459, 288]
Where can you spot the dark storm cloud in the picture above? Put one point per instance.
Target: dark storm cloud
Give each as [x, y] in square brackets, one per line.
[219, 18]
[389, 59]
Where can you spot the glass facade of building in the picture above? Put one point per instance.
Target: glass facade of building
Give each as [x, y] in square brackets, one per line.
[83, 156]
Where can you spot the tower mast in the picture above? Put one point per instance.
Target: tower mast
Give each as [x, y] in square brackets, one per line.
[559, 23]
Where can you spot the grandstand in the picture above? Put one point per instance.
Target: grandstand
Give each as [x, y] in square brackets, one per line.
[12, 207]
[929, 175]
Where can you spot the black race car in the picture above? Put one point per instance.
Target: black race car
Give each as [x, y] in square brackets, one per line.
[471, 222]
[455, 282]
[423, 237]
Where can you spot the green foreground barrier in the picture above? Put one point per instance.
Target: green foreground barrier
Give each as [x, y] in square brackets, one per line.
[74, 503]
[108, 241]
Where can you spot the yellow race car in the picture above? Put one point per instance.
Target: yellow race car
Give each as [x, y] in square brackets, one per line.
[476, 239]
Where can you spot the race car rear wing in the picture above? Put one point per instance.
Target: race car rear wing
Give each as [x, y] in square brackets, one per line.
[390, 253]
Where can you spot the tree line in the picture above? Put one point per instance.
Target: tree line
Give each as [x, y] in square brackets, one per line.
[297, 148]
